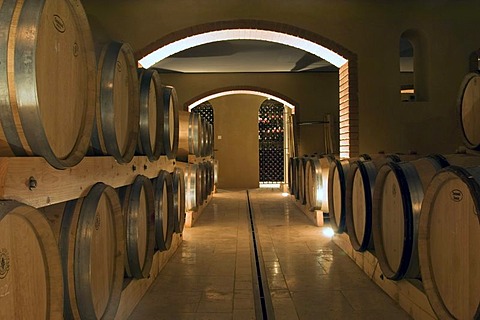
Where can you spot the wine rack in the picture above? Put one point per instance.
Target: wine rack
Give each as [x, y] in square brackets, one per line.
[271, 142]
[205, 110]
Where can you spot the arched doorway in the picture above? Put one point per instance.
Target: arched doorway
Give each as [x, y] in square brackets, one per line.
[280, 33]
[241, 165]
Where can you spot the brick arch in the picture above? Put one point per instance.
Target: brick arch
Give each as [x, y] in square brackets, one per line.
[267, 91]
[348, 83]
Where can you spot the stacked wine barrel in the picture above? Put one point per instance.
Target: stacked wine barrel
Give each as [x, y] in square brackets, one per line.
[308, 180]
[199, 183]
[60, 101]
[195, 136]
[196, 147]
[418, 214]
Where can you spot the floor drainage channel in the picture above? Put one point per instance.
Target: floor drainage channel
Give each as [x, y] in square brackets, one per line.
[263, 301]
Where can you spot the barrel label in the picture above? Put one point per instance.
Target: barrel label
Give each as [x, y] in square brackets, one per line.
[4, 263]
[97, 222]
[58, 23]
[456, 195]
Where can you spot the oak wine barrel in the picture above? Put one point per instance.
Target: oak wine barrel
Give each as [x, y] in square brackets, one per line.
[195, 135]
[209, 177]
[169, 116]
[117, 119]
[337, 184]
[184, 138]
[92, 247]
[302, 163]
[178, 180]
[203, 168]
[313, 184]
[31, 282]
[296, 182]
[316, 182]
[164, 211]
[190, 131]
[469, 110]
[397, 201]
[291, 175]
[448, 243]
[139, 220]
[209, 139]
[359, 195]
[398, 196]
[198, 184]
[203, 137]
[190, 187]
[151, 101]
[47, 81]
[215, 174]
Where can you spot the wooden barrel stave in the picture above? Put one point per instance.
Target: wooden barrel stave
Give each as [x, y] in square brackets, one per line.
[139, 215]
[199, 184]
[313, 184]
[209, 177]
[190, 187]
[194, 134]
[164, 211]
[325, 162]
[302, 163]
[203, 171]
[209, 139]
[151, 101]
[193, 168]
[360, 182]
[297, 179]
[179, 199]
[336, 194]
[170, 122]
[291, 177]
[215, 174]
[185, 139]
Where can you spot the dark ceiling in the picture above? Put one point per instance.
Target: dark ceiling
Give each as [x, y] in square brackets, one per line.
[244, 56]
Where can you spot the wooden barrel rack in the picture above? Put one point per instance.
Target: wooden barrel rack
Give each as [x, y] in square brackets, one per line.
[200, 179]
[88, 171]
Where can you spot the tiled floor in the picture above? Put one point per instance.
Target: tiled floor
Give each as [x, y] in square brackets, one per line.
[309, 277]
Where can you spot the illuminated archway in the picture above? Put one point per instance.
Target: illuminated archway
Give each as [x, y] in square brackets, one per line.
[288, 135]
[242, 34]
[225, 91]
[286, 34]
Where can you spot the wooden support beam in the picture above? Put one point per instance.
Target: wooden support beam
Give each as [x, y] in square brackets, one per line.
[31, 180]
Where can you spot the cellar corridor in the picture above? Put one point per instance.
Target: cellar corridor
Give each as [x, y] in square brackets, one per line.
[309, 277]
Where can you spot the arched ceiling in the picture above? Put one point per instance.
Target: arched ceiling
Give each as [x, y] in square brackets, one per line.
[244, 56]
